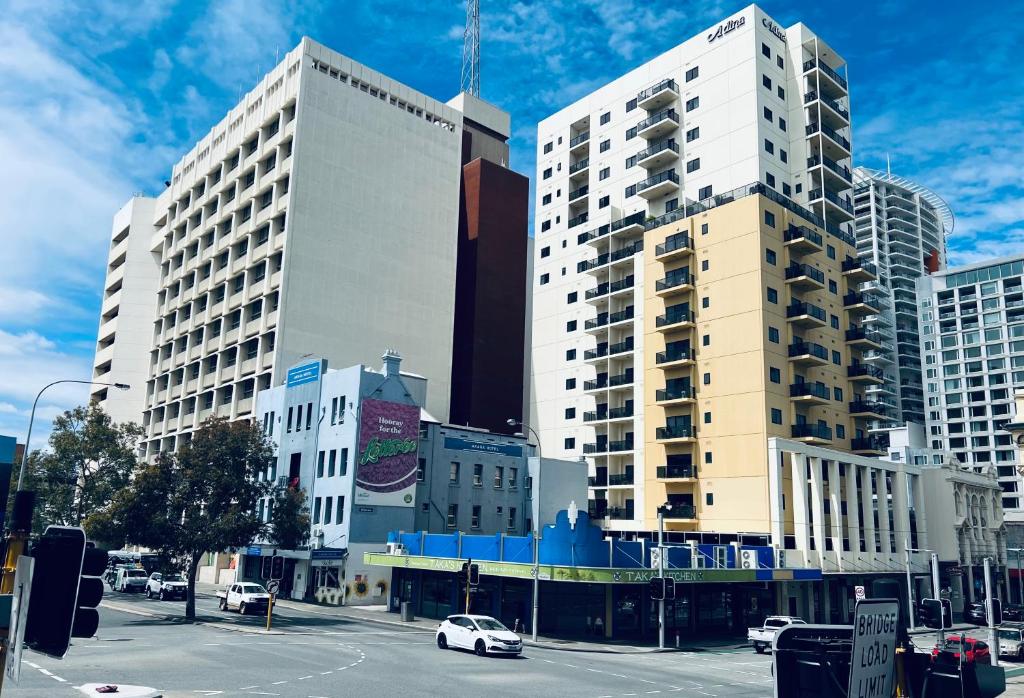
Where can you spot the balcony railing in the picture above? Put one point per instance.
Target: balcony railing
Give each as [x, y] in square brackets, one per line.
[609, 257]
[654, 119]
[622, 445]
[667, 144]
[600, 415]
[825, 69]
[577, 193]
[815, 127]
[620, 479]
[598, 480]
[859, 406]
[632, 219]
[674, 315]
[579, 220]
[857, 298]
[802, 308]
[670, 355]
[855, 334]
[619, 513]
[794, 232]
[610, 287]
[680, 511]
[678, 277]
[818, 390]
[667, 84]
[811, 431]
[853, 264]
[666, 176]
[680, 393]
[670, 471]
[679, 241]
[813, 95]
[825, 193]
[677, 431]
[831, 164]
[808, 348]
[795, 271]
[867, 444]
[580, 139]
[579, 166]
[858, 370]
[624, 378]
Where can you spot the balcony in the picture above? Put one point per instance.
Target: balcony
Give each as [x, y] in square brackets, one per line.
[680, 433]
[869, 446]
[579, 195]
[578, 144]
[659, 95]
[868, 409]
[657, 186]
[675, 396]
[805, 277]
[858, 271]
[677, 245]
[609, 288]
[598, 509]
[674, 357]
[604, 350]
[809, 393]
[832, 104]
[679, 473]
[658, 124]
[620, 480]
[806, 315]
[808, 353]
[843, 205]
[624, 412]
[812, 433]
[840, 171]
[579, 168]
[681, 512]
[658, 154]
[605, 319]
[858, 303]
[610, 257]
[803, 240]
[837, 138]
[600, 415]
[620, 514]
[578, 220]
[597, 480]
[621, 380]
[675, 281]
[860, 373]
[860, 337]
[674, 318]
[835, 77]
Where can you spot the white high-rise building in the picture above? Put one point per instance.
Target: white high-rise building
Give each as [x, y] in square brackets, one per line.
[901, 229]
[321, 215]
[745, 101]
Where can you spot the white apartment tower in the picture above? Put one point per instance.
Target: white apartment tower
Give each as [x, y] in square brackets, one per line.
[742, 102]
[901, 229]
[319, 216]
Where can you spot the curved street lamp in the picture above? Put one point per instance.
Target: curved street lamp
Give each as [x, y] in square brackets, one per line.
[518, 423]
[28, 439]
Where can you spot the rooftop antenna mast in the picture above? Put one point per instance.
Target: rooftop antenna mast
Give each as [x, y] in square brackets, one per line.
[471, 49]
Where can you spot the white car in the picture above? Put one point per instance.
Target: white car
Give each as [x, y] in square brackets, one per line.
[130, 579]
[245, 597]
[482, 634]
[166, 586]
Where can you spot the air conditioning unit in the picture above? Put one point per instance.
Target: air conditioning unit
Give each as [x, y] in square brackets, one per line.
[780, 558]
[397, 549]
[655, 558]
[282, 481]
[748, 559]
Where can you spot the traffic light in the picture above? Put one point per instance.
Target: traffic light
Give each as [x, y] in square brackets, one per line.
[670, 588]
[936, 614]
[997, 613]
[474, 574]
[463, 574]
[53, 600]
[90, 592]
[657, 585]
[277, 567]
[266, 567]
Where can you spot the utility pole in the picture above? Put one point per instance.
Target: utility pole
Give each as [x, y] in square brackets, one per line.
[910, 585]
[661, 574]
[469, 566]
[536, 580]
[937, 595]
[993, 641]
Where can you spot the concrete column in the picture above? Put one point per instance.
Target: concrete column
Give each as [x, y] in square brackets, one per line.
[853, 512]
[920, 512]
[901, 510]
[883, 512]
[835, 490]
[776, 496]
[867, 476]
[818, 507]
[801, 528]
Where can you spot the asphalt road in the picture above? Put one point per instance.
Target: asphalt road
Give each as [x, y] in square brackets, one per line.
[326, 656]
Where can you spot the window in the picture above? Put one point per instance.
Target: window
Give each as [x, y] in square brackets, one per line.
[769, 219]
[707, 418]
[320, 464]
[309, 415]
[708, 458]
[833, 287]
[544, 278]
[766, 81]
[704, 193]
[769, 147]
[316, 510]
[603, 202]
[474, 521]
[692, 104]
[781, 92]
[546, 200]
[705, 302]
[781, 63]
[786, 190]
[545, 252]
[499, 475]
[606, 145]
[783, 156]
[606, 117]
[706, 379]
[834, 319]
[769, 179]
[328, 509]
[776, 416]
[605, 173]
[693, 165]
[570, 444]
[767, 52]
[773, 295]
[837, 358]
[709, 498]
[571, 298]
[770, 257]
[704, 229]
[513, 478]
[841, 431]
[570, 412]
[453, 474]
[705, 340]
[511, 517]
[705, 264]
[837, 393]
[782, 123]
[773, 335]
[548, 147]
[547, 173]
[545, 226]
[693, 134]
[570, 383]
[570, 354]
[421, 470]
[478, 475]
[768, 114]
[570, 326]
[774, 375]
[831, 252]
[453, 515]
[344, 462]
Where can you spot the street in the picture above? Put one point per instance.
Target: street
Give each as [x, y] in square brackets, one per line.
[326, 656]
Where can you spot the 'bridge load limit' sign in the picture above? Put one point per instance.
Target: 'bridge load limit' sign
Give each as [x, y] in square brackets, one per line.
[873, 664]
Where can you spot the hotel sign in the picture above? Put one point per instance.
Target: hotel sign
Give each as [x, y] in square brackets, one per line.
[726, 28]
[773, 28]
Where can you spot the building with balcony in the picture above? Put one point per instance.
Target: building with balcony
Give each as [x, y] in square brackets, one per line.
[901, 230]
[333, 211]
[972, 347]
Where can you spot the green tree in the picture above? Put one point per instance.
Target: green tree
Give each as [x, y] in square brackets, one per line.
[289, 519]
[89, 460]
[200, 499]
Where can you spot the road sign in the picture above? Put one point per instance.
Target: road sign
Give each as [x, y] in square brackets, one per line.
[273, 586]
[858, 593]
[873, 664]
[19, 614]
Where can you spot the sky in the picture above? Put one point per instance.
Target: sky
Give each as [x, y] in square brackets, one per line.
[98, 99]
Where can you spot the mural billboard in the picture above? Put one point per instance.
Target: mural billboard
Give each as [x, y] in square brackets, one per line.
[388, 454]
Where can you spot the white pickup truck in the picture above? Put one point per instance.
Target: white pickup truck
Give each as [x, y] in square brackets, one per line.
[245, 597]
[761, 638]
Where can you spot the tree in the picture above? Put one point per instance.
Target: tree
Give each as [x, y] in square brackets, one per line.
[202, 498]
[289, 519]
[90, 459]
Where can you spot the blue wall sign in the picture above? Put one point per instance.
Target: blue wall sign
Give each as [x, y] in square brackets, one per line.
[456, 444]
[306, 373]
[254, 551]
[328, 554]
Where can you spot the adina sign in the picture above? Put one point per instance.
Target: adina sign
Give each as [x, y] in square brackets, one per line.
[387, 457]
[726, 27]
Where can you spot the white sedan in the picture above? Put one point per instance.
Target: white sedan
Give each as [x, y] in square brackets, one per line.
[482, 634]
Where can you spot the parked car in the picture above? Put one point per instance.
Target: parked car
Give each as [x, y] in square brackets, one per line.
[977, 650]
[1013, 612]
[245, 597]
[166, 586]
[1011, 640]
[130, 579]
[761, 638]
[482, 634]
[975, 613]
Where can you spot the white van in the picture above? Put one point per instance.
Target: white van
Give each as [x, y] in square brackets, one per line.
[131, 579]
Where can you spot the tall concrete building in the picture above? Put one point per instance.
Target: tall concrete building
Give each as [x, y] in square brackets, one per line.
[972, 344]
[648, 297]
[320, 216]
[901, 230]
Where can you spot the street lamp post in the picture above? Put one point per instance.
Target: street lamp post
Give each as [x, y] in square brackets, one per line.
[536, 537]
[910, 584]
[661, 572]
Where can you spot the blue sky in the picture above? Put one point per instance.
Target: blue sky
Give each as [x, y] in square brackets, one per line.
[99, 98]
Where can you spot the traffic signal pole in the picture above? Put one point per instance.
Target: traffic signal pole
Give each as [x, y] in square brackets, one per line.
[661, 573]
[993, 641]
[21, 526]
[937, 595]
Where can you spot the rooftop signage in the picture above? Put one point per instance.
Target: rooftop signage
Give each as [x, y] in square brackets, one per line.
[726, 27]
[306, 373]
[773, 28]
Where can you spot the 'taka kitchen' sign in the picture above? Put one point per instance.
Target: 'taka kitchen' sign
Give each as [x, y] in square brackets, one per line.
[387, 456]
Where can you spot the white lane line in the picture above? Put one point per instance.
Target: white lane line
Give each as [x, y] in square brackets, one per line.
[246, 688]
[303, 678]
[278, 683]
[325, 673]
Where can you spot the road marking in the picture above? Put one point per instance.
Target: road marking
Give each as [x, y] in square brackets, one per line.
[325, 673]
[303, 678]
[246, 688]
